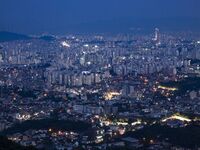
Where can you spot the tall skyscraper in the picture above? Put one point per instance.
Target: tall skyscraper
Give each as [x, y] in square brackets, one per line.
[156, 38]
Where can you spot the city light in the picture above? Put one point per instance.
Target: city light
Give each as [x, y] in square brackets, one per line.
[177, 117]
[167, 88]
[111, 95]
[65, 44]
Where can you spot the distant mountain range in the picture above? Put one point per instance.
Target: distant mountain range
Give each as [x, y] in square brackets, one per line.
[9, 36]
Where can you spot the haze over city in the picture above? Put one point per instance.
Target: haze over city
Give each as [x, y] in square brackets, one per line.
[90, 16]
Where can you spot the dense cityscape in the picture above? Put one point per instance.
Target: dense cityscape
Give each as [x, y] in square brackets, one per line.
[123, 91]
[99, 75]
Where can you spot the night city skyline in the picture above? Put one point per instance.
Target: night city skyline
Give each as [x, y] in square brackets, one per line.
[99, 75]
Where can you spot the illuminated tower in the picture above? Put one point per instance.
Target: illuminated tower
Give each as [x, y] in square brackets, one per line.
[156, 38]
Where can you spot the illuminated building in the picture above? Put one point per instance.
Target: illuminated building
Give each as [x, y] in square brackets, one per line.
[156, 38]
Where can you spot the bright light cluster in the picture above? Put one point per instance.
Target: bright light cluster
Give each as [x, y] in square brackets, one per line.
[110, 95]
[65, 44]
[177, 117]
[167, 88]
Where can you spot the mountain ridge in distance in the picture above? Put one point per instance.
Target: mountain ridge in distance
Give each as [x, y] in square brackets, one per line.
[10, 36]
[6, 36]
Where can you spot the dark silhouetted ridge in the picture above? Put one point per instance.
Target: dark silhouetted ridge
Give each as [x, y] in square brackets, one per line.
[9, 36]
[6, 144]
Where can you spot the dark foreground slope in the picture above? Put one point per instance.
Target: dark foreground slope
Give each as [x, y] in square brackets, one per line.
[6, 144]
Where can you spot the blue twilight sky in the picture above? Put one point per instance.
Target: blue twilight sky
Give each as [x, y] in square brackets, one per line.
[69, 16]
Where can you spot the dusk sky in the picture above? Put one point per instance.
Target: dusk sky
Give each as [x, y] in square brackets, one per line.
[60, 16]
